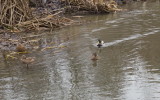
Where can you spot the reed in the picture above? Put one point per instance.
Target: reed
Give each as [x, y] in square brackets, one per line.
[13, 12]
[17, 15]
[94, 6]
[49, 22]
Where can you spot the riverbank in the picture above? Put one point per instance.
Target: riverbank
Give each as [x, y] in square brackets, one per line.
[46, 18]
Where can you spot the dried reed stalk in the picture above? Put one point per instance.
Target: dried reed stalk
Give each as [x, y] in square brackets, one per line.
[13, 12]
[96, 6]
[50, 21]
[17, 14]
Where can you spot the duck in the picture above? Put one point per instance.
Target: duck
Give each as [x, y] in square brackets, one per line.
[95, 56]
[100, 43]
[20, 48]
[27, 60]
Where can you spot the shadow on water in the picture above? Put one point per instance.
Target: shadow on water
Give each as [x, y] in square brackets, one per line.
[127, 68]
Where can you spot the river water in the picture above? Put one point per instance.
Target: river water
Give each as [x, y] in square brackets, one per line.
[128, 68]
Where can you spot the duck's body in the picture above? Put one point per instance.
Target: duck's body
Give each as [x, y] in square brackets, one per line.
[100, 43]
[94, 56]
[20, 48]
[27, 60]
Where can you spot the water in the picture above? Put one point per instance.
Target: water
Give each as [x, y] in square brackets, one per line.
[128, 68]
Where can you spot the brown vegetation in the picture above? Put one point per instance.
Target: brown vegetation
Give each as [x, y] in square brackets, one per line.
[92, 6]
[17, 15]
[50, 21]
[13, 12]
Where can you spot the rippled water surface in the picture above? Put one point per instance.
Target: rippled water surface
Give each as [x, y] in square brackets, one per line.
[128, 68]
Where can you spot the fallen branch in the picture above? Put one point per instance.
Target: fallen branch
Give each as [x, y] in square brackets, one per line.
[50, 21]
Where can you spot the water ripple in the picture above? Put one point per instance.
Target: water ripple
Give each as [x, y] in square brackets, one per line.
[136, 36]
[99, 29]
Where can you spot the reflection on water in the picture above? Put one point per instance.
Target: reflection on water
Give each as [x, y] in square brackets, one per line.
[128, 68]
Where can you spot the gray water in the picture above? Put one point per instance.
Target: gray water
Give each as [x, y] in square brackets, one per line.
[128, 68]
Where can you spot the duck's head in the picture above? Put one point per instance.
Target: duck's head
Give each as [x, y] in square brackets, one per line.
[23, 57]
[99, 41]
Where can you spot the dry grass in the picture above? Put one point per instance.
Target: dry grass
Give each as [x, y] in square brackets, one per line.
[16, 14]
[13, 12]
[96, 6]
[48, 22]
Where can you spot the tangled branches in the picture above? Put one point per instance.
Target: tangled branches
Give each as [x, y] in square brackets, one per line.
[93, 6]
[13, 12]
[50, 21]
[16, 14]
